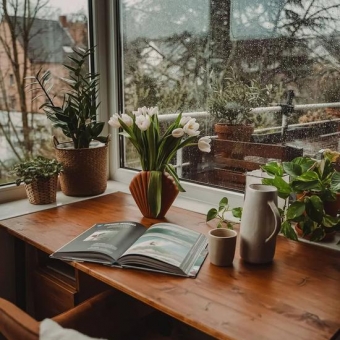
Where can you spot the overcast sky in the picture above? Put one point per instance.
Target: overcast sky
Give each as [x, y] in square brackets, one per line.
[68, 6]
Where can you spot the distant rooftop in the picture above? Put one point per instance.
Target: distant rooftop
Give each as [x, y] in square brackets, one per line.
[49, 41]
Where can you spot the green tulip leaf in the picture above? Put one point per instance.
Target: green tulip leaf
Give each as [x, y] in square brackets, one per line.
[155, 192]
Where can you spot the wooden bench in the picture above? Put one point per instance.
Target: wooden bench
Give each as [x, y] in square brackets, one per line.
[233, 159]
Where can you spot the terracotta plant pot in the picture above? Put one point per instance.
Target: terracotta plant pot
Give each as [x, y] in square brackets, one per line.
[331, 208]
[329, 236]
[139, 191]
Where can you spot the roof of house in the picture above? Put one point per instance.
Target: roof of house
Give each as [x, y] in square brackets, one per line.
[49, 41]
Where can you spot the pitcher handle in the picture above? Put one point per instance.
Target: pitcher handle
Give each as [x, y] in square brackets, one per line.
[277, 217]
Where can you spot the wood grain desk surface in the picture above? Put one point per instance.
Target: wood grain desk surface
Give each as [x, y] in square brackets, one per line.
[295, 297]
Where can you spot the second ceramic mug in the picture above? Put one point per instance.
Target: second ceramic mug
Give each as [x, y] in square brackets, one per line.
[221, 245]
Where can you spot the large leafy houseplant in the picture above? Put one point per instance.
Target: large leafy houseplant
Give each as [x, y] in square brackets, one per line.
[157, 149]
[85, 156]
[77, 116]
[312, 185]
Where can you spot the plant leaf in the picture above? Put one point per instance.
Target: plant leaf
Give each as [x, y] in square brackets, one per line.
[211, 214]
[155, 192]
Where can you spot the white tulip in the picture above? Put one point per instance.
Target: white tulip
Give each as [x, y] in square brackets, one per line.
[184, 120]
[153, 111]
[144, 110]
[143, 122]
[127, 119]
[114, 121]
[191, 127]
[177, 133]
[137, 113]
[204, 144]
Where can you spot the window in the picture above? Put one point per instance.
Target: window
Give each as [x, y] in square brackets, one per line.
[279, 54]
[174, 53]
[50, 29]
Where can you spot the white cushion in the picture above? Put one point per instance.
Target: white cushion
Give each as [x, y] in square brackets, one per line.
[50, 330]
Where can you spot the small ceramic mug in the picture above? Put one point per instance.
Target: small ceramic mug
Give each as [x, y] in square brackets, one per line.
[221, 246]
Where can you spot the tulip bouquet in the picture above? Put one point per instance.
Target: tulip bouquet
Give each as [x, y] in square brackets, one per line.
[156, 150]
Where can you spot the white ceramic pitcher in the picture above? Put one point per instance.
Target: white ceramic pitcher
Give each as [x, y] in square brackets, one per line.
[260, 224]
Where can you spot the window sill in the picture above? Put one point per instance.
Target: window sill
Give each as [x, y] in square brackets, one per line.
[22, 207]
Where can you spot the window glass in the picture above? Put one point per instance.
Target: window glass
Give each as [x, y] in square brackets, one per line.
[34, 35]
[228, 59]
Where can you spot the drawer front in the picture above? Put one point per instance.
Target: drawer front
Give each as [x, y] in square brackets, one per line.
[52, 296]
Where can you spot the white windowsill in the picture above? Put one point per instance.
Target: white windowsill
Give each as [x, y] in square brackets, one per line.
[22, 207]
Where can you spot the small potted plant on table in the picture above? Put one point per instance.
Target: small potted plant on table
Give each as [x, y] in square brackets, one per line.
[40, 177]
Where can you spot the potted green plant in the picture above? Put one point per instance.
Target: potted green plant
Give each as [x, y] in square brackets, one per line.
[85, 156]
[311, 196]
[230, 104]
[40, 177]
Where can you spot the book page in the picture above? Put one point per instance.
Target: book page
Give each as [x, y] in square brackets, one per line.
[165, 242]
[111, 239]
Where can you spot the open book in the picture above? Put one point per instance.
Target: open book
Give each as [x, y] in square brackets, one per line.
[164, 247]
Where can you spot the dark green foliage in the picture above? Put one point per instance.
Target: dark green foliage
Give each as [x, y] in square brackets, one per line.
[39, 167]
[312, 183]
[77, 115]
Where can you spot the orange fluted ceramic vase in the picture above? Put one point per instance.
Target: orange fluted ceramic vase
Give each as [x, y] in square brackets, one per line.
[139, 191]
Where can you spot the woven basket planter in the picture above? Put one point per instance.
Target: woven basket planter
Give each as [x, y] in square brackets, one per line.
[84, 170]
[42, 190]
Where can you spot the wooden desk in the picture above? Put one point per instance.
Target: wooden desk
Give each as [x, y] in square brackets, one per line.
[295, 297]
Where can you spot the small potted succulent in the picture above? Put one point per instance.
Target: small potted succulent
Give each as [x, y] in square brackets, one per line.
[312, 196]
[40, 177]
[230, 103]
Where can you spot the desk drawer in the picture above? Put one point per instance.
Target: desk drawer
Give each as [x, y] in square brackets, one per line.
[52, 295]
